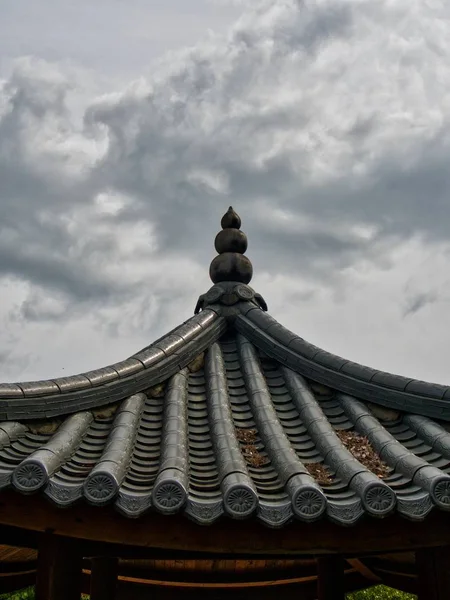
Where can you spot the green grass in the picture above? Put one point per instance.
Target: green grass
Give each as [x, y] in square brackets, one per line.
[379, 592]
[27, 594]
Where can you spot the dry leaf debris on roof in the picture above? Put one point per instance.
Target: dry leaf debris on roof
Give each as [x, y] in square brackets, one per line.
[197, 364]
[106, 411]
[362, 450]
[249, 439]
[157, 391]
[247, 436]
[320, 473]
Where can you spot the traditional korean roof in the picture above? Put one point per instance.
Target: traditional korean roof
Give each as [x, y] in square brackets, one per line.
[231, 414]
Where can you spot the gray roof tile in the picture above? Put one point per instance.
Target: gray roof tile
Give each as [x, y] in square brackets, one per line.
[356, 370]
[233, 432]
[388, 390]
[10, 390]
[236, 437]
[48, 399]
[391, 381]
[424, 388]
[39, 388]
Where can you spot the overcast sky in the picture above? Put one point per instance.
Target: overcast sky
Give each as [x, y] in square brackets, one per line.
[127, 127]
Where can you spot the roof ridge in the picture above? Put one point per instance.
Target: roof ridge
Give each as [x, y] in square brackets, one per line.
[92, 389]
[379, 387]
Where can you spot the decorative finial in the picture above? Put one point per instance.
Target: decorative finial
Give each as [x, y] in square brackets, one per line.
[231, 220]
[231, 243]
[230, 271]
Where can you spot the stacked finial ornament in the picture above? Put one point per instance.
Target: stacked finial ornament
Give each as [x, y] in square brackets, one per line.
[231, 244]
[230, 271]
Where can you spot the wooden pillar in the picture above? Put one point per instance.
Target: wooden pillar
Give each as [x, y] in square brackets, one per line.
[433, 573]
[330, 577]
[103, 578]
[58, 569]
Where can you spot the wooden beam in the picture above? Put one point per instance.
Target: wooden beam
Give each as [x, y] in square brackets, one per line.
[305, 591]
[362, 568]
[11, 582]
[433, 571]
[330, 577]
[58, 569]
[177, 533]
[103, 578]
[147, 579]
[404, 562]
[15, 536]
[17, 566]
[197, 575]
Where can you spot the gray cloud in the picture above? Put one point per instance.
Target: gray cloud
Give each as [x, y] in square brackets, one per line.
[419, 301]
[112, 37]
[335, 153]
[324, 123]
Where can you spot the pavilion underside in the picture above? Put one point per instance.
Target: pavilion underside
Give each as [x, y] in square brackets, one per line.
[184, 577]
[96, 551]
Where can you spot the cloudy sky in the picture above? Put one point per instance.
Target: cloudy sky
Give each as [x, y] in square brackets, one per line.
[128, 127]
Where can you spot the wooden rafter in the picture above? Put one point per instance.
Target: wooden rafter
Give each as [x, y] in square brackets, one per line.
[362, 568]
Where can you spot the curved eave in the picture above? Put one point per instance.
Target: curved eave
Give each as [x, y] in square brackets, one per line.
[389, 390]
[234, 434]
[62, 396]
